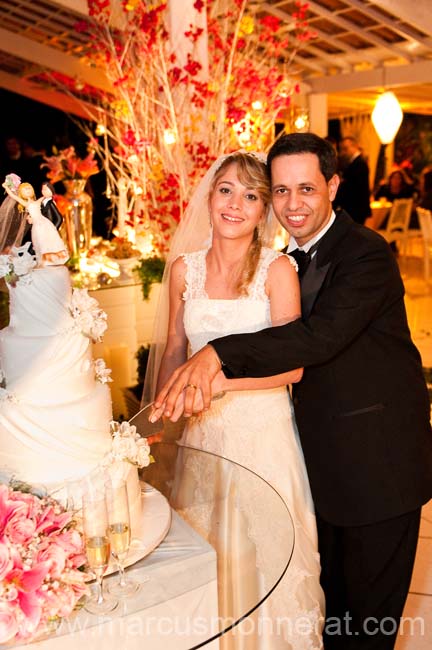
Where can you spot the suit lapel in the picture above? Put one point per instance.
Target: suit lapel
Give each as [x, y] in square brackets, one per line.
[310, 285]
[315, 275]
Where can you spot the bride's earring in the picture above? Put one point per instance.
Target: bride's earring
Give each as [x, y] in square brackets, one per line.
[209, 239]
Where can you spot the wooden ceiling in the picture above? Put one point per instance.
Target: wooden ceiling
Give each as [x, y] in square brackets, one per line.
[361, 47]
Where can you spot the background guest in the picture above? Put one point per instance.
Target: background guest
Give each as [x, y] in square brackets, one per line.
[354, 193]
[397, 186]
[425, 200]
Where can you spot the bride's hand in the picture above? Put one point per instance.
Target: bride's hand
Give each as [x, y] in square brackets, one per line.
[197, 373]
[158, 412]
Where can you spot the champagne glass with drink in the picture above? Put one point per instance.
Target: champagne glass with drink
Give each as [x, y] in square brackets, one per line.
[97, 546]
[119, 533]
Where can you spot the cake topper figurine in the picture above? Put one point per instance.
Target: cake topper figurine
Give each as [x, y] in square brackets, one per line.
[47, 243]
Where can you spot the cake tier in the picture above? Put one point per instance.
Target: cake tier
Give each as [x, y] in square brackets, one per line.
[54, 417]
[50, 444]
[39, 303]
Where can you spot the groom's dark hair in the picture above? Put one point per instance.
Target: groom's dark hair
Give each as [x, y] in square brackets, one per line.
[293, 143]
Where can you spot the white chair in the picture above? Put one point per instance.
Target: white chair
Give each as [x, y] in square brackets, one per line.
[398, 221]
[425, 219]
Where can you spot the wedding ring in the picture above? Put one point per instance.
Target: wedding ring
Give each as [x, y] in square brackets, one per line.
[191, 386]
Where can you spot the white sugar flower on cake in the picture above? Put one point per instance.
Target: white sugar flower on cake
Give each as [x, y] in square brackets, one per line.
[103, 374]
[87, 314]
[128, 445]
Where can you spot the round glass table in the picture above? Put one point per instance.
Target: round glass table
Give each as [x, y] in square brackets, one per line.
[229, 544]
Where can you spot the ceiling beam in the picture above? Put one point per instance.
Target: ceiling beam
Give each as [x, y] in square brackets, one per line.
[395, 25]
[53, 59]
[389, 77]
[78, 6]
[63, 102]
[416, 13]
[351, 27]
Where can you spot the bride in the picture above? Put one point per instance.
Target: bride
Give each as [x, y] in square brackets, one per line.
[221, 279]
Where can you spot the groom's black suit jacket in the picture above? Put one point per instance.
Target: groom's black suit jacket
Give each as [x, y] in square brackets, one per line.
[362, 407]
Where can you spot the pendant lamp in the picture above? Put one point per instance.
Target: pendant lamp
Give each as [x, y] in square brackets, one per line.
[387, 117]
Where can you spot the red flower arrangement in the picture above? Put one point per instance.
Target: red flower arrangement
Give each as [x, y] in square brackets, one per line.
[172, 110]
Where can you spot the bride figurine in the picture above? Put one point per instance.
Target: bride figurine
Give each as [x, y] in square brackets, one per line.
[47, 243]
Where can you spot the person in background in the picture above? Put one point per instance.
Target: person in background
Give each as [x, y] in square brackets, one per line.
[425, 199]
[396, 187]
[20, 158]
[353, 194]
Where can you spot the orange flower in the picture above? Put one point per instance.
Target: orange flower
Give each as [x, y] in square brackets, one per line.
[66, 165]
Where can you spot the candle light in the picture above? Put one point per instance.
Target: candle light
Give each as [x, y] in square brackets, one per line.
[122, 207]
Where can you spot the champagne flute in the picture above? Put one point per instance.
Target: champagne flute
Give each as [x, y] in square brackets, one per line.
[97, 546]
[119, 533]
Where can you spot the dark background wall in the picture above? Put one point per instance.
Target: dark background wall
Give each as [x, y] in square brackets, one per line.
[36, 123]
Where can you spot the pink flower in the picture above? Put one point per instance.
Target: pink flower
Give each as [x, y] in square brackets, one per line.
[33, 578]
[71, 541]
[55, 556]
[40, 550]
[8, 623]
[32, 609]
[20, 528]
[6, 563]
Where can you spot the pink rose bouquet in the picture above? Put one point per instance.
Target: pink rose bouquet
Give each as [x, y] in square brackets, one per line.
[41, 559]
[13, 182]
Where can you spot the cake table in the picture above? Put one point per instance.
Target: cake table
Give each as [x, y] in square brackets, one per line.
[187, 582]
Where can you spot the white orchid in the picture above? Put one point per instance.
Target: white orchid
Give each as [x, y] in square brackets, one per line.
[101, 371]
[5, 265]
[128, 445]
[90, 319]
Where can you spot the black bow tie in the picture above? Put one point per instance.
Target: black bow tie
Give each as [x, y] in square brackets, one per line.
[303, 259]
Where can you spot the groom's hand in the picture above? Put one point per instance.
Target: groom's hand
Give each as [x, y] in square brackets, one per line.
[196, 374]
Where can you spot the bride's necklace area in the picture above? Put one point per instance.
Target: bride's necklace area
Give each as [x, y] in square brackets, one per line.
[222, 283]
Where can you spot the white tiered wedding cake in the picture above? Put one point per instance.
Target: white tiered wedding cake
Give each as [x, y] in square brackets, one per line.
[55, 404]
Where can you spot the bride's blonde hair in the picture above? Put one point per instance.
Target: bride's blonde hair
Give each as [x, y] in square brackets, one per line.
[21, 187]
[252, 173]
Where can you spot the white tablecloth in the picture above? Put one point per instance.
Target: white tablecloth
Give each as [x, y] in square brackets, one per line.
[175, 608]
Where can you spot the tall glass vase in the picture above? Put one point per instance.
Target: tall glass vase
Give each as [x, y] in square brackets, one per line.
[78, 216]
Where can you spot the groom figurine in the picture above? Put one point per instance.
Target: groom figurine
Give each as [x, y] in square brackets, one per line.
[49, 210]
[362, 407]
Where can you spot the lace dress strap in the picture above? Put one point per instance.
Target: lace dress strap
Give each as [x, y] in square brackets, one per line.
[257, 287]
[195, 274]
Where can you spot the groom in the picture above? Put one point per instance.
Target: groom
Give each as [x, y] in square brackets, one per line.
[362, 406]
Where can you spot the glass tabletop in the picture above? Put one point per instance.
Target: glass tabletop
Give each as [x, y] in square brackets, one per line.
[229, 544]
[241, 516]
[243, 519]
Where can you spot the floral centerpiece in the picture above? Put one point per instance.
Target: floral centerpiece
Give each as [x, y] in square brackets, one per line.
[67, 165]
[121, 249]
[41, 562]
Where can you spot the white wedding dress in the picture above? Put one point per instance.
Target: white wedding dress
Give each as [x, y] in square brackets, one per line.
[257, 430]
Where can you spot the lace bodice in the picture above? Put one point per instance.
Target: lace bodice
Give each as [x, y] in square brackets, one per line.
[208, 318]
